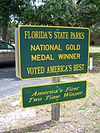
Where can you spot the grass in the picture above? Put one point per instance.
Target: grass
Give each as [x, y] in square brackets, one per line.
[83, 106]
[28, 129]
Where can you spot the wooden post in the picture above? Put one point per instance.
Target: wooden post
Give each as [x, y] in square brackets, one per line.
[55, 107]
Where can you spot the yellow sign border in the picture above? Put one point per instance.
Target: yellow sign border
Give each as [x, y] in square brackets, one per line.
[21, 96]
[48, 27]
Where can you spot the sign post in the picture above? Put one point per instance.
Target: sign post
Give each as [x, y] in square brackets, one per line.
[53, 51]
[55, 107]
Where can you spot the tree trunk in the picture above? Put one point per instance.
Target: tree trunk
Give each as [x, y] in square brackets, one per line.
[4, 32]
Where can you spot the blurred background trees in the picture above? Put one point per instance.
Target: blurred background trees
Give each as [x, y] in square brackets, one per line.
[48, 12]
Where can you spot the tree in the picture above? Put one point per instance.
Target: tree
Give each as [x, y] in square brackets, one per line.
[29, 16]
[51, 12]
[8, 8]
[88, 12]
[11, 32]
[55, 12]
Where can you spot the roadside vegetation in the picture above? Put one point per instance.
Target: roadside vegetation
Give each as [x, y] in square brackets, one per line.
[83, 13]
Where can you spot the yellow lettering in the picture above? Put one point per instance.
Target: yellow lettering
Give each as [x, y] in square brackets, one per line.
[37, 35]
[72, 89]
[62, 68]
[51, 97]
[27, 35]
[78, 67]
[42, 57]
[75, 93]
[45, 47]
[69, 56]
[65, 94]
[77, 35]
[32, 99]
[35, 70]
[50, 35]
[72, 47]
[71, 94]
[61, 35]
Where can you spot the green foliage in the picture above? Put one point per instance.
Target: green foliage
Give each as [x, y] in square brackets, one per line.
[63, 12]
[10, 7]
[55, 12]
[89, 12]
[95, 30]
[29, 15]
[51, 12]
[60, 12]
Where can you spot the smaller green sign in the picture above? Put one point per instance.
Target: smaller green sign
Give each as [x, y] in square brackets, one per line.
[47, 94]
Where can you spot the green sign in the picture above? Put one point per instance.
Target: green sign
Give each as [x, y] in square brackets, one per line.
[47, 94]
[52, 51]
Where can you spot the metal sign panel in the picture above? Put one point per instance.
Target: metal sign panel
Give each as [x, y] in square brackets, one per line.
[52, 51]
[55, 93]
